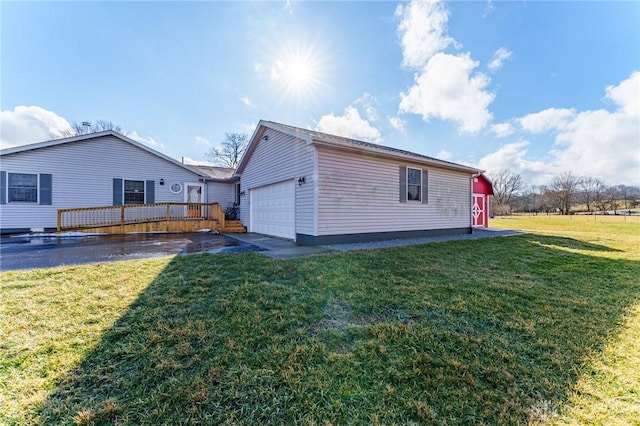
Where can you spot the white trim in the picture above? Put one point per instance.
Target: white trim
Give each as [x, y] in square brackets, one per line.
[479, 201]
[175, 191]
[419, 186]
[186, 192]
[144, 187]
[23, 203]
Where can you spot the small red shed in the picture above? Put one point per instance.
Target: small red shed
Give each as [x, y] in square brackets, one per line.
[481, 189]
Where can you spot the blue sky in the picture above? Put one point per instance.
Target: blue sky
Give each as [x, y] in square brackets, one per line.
[535, 87]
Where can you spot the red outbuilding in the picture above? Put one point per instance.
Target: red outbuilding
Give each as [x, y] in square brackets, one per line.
[481, 189]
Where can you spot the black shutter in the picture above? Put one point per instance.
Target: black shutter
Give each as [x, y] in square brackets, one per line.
[45, 189]
[150, 192]
[403, 184]
[425, 187]
[117, 192]
[3, 187]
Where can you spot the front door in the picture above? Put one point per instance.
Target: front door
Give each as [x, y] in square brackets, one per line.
[193, 196]
[477, 211]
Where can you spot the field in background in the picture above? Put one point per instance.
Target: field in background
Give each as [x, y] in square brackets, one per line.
[540, 328]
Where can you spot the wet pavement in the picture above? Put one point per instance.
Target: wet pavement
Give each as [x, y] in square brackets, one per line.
[48, 250]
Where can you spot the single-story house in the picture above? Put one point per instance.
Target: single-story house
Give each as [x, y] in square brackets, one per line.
[316, 188]
[98, 169]
[307, 186]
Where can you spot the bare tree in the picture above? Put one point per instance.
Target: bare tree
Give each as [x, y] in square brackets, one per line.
[506, 185]
[590, 188]
[562, 192]
[230, 151]
[611, 198]
[85, 127]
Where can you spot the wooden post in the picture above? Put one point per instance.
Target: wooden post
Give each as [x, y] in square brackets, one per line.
[168, 212]
[59, 220]
[122, 215]
[221, 216]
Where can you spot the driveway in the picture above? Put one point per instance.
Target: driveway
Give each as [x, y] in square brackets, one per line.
[48, 250]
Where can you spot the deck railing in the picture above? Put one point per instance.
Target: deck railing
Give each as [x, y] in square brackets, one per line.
[93, 217]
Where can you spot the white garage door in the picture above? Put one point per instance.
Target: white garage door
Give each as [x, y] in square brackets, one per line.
[273, 210]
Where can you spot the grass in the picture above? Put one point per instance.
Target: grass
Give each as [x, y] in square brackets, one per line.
[540, 328]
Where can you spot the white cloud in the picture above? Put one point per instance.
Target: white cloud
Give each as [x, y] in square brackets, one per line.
[549, 119]
[349, 125]
[446, 86]
[488, 9]
[192, 162]
[502, 130]
[29, 124]
[443, 154]
[600, 143]
[422, 31]
[626, 94]
[245, 100]
[276, 70]
[397, 123]
[150, 142]
[512, 157]
[498, 58]
[448, 89]
[368, 102]
[202, 141]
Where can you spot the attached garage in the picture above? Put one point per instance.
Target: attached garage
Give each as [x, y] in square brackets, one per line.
[273, 210]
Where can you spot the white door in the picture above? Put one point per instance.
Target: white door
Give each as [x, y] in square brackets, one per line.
[272, 210]
[193, 194]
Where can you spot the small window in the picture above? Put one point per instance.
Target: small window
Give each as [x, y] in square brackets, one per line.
[176, 188]
[414, 184]
[23, 188]
[133, 192]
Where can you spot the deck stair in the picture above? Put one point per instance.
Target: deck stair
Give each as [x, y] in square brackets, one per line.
[234, 227]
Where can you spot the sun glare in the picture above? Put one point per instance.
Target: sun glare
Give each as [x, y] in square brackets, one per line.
[299, 72]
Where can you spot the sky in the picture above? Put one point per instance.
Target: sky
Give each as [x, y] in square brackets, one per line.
[538, 88]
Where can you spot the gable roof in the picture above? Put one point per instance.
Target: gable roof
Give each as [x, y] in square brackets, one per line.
[338, 142]
[96, 135]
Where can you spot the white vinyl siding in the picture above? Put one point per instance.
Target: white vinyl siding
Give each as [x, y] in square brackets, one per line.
[83, 174]
[282, 157]
[221, 193]
[359, 194]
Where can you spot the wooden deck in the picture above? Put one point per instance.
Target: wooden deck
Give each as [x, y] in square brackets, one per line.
[156, 217]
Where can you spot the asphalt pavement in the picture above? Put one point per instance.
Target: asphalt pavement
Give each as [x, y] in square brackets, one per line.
[48, 250]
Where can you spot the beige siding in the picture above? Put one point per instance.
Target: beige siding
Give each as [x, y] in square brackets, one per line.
[279, 158]
[82, 176]
[360, 194]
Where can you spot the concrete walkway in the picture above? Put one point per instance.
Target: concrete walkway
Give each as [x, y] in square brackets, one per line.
[278, 248]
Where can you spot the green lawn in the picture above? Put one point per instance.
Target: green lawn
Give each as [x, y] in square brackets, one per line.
[542, 328]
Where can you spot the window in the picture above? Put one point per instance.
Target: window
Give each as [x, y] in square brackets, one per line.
[23, 188]
[414, 184]
[133, 192]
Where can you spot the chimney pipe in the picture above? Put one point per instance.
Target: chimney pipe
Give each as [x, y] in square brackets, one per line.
[87, 127]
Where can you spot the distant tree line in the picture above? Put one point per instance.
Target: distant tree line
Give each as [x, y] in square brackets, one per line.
[566, 194]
